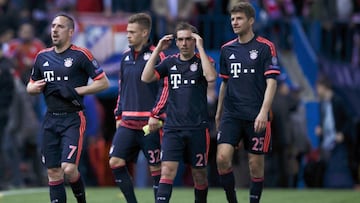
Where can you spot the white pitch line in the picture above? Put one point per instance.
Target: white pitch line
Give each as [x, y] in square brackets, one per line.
[22, 191]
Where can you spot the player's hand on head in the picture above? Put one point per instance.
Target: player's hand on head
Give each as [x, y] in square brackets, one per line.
[165, 41]
[198, 39]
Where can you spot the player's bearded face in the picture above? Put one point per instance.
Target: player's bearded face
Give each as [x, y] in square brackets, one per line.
[60, 33]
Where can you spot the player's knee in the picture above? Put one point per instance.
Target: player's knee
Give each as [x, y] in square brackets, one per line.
[222, 161]
[256, 169]
[155, 167]
[199, 176]
[69, 169]
[116, 162]
[55, 174]
[168, 171]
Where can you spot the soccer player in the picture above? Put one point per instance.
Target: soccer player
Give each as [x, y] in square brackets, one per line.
[186, 124]
[61, 73]
[248, 67]
[138, 104]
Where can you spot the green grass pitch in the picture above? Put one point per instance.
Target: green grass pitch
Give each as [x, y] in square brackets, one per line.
[186, 195]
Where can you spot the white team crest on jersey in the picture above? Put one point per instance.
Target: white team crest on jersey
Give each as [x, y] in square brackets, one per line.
[253, 54]
[68, 62]
[194, 67]
[147, 56]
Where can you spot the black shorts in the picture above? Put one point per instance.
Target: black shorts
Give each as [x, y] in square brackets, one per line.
[233, 130]
[191, 146]
[63, 135]
[127, 143]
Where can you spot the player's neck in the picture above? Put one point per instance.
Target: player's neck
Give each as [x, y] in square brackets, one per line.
[186, 57]
[140, 46]
[246, 37]
[60, 49]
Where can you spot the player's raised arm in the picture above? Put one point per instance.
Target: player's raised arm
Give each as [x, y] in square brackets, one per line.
[208, 67]
[148, 74]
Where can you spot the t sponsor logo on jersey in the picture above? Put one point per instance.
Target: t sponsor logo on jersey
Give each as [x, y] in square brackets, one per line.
[68, 62]
[253, 54]
[49, 76]
[46, 64]
[232, 56]
[235, 69]
[147, 56]
[175, 80]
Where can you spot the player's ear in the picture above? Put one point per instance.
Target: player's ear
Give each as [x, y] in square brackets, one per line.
[251, 21]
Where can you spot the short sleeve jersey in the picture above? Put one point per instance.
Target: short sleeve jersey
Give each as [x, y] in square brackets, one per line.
[187, 101]
[246, 67]
[71, 68]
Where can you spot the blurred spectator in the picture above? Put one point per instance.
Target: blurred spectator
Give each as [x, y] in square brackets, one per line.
[38, 13]
[128, 6]
[204, 6]
[330, 24]
[93, 148]
[169, 12]
[6, 94]
[280, 158]
[23, 157]
[334, 133]
[279, 13]
[355, 22]
[8, 19]
[90, 6]
[24, 50]
[301, 145]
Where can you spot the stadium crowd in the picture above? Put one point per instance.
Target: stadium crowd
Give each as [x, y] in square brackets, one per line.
[332, 27]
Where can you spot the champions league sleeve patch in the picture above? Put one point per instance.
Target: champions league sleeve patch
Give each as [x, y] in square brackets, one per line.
[95, 63]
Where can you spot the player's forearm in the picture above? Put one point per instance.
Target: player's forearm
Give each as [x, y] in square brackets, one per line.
[269, 95]
[148, 74]
[35, 87]
[221, 97]
[32, 89]
[95, 87]
[208, 67]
